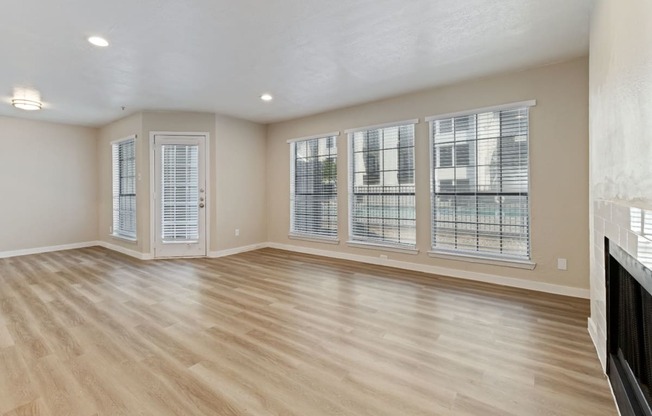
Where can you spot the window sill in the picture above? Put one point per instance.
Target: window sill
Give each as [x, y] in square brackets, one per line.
[313, 239]
[383, 247]
[518, 264]
[124, 238]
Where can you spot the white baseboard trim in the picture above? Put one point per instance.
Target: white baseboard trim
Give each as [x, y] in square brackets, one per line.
[443, 271]
[123, 250]
[237, 250]
[49, 249]
[211, 254]
[593, 333]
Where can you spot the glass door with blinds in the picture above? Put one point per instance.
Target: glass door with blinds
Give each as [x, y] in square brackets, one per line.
[180, 196]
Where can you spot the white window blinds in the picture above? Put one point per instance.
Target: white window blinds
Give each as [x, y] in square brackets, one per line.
[179, 193]
[124, 188]
[382, 191]
[313, 188]
[479, 184]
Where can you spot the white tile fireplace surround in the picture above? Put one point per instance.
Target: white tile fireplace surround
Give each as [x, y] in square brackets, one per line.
[628, 226]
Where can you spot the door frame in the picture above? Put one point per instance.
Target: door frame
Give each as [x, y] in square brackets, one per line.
[152, 185]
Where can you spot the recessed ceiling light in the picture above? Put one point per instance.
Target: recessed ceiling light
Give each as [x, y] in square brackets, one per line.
[98, 41]
[266, 97]
[29, 105]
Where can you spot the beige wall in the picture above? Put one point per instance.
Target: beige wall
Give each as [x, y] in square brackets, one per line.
[120, 129]
[48, 184]
[168, 121]
[250, 171]
[559, 166]
[239, 152]
[237, 169]
[621, 136]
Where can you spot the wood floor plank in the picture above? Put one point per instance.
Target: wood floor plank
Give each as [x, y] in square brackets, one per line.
[93, 332]
[5, 337]
[57, 387]
[33, 408]
[16, 389]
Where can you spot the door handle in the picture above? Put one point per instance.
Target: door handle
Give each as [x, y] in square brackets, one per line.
[201, 205]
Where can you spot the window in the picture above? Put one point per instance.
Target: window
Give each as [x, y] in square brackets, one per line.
[313, 205]
[463, 123]
[445, 156]
[371, 160]
[446, 126]
[382, 199]
[462, 154]
[405, 157]
[479, 184]
[124, 188]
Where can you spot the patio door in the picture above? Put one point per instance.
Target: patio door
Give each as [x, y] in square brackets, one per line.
[180, 195]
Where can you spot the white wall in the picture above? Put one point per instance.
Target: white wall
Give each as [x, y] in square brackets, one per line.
[48, 178]
[621, 136]
[621, 100]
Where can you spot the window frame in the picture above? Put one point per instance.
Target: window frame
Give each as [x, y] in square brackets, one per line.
[463, 255]
[368, 243]
[116, 232]
[331, 142]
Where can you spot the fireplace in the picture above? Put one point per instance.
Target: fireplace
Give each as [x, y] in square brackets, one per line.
[629, 331]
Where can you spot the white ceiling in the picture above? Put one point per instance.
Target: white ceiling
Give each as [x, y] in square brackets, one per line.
[221, 55]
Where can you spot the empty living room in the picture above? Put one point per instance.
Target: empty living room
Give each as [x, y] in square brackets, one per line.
[320, 208]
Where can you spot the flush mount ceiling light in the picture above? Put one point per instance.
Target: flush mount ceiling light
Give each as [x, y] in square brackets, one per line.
[98, 41]
[266, 97]
[24, 104]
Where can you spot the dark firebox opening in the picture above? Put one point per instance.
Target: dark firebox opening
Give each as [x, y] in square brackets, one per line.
[629, 331]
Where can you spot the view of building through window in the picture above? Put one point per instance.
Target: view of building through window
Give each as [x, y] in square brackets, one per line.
[314, 187]
[480, 183]
[382, 189]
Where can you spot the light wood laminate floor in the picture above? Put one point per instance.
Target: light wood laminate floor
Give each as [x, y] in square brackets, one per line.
[93, 332]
